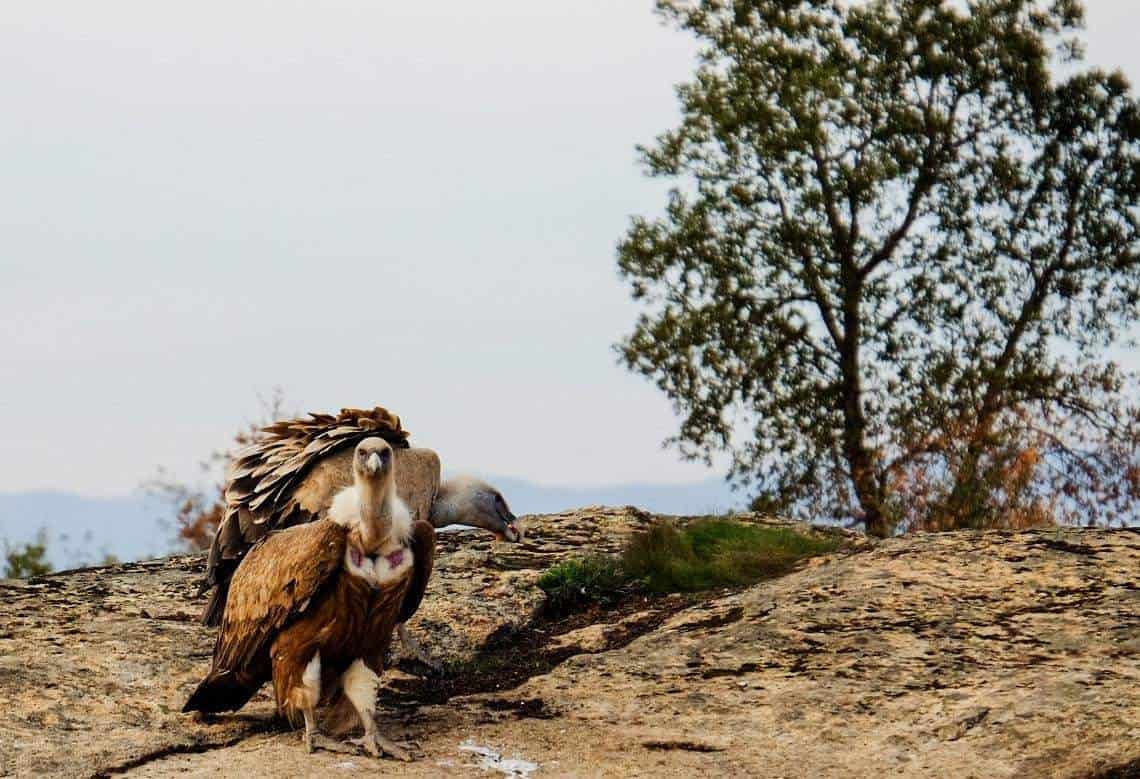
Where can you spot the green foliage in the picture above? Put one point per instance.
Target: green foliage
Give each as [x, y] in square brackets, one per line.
[29, 560]
[715, 553]
[701, 555]
[896, 252]
[592, 579]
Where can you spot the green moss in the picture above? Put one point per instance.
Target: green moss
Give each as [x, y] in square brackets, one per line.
[707, 553]
[715, 553]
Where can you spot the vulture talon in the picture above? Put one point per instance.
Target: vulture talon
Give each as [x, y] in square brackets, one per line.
[315, 741]
[378, 746]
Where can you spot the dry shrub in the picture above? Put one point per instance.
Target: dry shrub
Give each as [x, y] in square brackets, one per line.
[197, 512]
[1015, 475]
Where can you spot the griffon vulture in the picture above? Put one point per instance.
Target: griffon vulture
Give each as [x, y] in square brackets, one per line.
[313, 607]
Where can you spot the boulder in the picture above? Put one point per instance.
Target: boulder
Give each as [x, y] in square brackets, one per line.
[985, 654]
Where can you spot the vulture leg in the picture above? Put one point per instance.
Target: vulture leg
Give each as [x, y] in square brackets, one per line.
[412, 645]
[310, 730]
[305, 697]
[360, 684]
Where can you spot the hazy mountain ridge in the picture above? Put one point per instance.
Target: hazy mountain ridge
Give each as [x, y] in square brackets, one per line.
[703, 497]
[82, 530]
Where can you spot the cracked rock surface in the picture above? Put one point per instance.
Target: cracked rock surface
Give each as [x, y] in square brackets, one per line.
[966, 654]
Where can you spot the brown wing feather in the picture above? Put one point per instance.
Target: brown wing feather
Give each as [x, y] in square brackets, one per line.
[325, 478]
[276, 582]
[267, 487]
[423, 548]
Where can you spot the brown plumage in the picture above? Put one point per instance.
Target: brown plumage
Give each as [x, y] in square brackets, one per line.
[261, 492]
[313, 607]
[291, 474]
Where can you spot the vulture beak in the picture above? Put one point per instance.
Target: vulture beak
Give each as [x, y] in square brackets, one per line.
[373, 462]
[512, 530]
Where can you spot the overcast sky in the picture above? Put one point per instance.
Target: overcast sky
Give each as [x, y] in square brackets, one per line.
[415, 206]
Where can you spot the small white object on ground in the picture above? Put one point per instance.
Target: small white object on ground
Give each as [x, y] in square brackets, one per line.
[490, 760]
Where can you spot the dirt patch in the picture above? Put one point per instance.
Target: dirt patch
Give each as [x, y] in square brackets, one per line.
[683, 746]
[529, 708]
[512, 656]
[715, 621]
[1059, 545]
[716, 673]
[1126, 771]
[192, 748]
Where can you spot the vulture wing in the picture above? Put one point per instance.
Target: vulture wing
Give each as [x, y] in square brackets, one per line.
[266, 485]
[423, 547]
[274, 584]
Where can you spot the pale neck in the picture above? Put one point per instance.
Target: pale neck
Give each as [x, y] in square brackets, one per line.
[375, 513]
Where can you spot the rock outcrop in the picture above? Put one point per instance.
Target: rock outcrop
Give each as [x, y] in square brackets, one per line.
[967, 654]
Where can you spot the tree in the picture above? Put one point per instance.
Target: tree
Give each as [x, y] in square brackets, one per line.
[895, 256]
[28, 560]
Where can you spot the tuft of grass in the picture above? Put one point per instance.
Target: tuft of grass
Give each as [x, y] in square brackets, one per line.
[707, 553]
[715, 553]
[582, 580]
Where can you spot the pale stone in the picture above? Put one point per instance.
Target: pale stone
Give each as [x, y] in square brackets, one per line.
[963, 654]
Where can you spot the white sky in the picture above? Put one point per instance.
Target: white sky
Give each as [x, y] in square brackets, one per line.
[362, 203]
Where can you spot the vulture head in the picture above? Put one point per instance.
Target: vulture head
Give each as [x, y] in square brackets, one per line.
[372, 460]
[468, 501]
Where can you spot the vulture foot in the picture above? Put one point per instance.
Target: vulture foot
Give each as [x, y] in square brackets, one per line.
[378, 746]
[315, 741]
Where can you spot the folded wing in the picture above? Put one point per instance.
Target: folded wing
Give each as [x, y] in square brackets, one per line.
[280, 578]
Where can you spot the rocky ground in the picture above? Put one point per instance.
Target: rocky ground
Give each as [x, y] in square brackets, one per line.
[958, 655]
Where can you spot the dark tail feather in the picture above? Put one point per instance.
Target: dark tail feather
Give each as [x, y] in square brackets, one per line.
[221, 692]
[216, 606]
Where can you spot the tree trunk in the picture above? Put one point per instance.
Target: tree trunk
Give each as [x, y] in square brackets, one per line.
[859, 459]
[867, 491]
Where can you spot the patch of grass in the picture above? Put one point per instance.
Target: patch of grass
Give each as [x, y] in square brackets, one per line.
[707, 553]
[480, 665]
[582, 580]
[715, 553]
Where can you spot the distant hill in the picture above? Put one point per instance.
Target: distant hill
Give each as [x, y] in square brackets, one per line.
[705, 497]
[82, 530]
